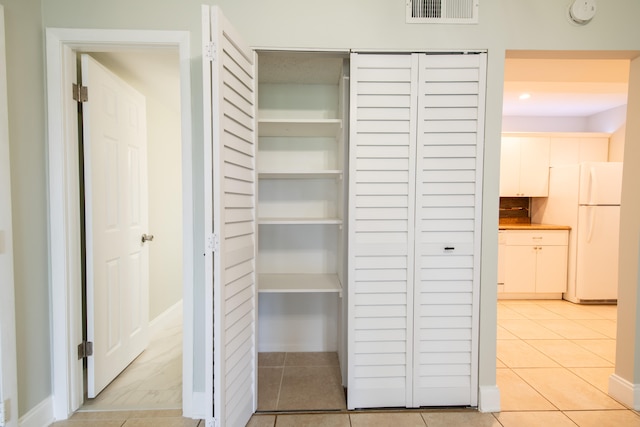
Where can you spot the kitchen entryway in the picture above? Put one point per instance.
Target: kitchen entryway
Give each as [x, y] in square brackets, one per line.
[555, 355]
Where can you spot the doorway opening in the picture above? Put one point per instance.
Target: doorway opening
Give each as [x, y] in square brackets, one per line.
[63, 46]
[153, 379]
[575, 103]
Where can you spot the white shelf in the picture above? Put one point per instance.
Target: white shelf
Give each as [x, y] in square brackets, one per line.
[321, 174]
[299, 127]
[299, 283]
[299, 221]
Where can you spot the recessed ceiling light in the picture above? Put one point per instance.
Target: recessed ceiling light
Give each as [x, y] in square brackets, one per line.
[525, 96]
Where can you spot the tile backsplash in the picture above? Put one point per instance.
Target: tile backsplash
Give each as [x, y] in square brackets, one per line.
[515, 210]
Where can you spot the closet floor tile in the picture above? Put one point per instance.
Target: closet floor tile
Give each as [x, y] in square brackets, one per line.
[312, 359]
[269, 381]
[271, 359]
[311, 388]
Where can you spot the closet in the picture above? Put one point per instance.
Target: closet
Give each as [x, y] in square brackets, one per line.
[301, 192]
[415, 193]
[345, 193]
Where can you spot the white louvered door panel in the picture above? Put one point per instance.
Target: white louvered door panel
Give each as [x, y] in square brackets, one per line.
[233, 132]
[448, 212]
[381, 229]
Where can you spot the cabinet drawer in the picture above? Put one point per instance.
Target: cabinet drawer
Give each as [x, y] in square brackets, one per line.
[540, 237]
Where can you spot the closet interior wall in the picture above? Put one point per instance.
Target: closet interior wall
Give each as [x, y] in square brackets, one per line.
[301, 201]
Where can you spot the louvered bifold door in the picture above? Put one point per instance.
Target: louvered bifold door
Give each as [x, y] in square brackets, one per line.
[448, 212]
[233, 129]
[381, 228]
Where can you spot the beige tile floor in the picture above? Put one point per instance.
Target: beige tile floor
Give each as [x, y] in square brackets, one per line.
[554, 360]
[299, 381]
[153, 380]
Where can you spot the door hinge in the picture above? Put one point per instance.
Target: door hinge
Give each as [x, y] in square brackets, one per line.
[80, 93]
[210, 51]
[213, 243]
[85, 349]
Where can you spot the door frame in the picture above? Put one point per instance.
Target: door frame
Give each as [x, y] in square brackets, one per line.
[8, 371]
[65, 257]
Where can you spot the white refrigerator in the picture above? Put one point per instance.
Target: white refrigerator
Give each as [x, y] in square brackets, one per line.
[586, 197]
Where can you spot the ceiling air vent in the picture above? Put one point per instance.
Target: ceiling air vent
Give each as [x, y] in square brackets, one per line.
[442, 11]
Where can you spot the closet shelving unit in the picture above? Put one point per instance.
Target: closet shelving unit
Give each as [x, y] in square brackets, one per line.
[301, 183]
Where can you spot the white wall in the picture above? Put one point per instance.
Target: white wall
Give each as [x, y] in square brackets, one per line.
[165, 173]
[614, 122]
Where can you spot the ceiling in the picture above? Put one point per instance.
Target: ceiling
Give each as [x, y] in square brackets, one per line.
[564, 87]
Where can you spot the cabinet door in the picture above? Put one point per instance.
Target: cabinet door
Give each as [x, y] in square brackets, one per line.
[564, 151]
[520, 270]
[510, 167]
[551, 269]
[534, 167]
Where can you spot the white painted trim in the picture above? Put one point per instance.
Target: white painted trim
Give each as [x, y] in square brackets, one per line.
[488, 398]
[40, 415]
[63, 202]
[199, 402]
[624, 392]
[8, 375]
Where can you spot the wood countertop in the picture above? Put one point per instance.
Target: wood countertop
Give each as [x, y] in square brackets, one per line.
[533, 227]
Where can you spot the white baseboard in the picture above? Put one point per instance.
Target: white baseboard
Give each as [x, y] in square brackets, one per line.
[39, 416]
[165, 319]
[489, 399]
[624, 392]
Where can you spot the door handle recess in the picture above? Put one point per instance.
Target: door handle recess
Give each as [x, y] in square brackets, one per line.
[147, 238]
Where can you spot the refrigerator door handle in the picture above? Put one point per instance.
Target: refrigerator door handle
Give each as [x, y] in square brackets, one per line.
[592, 222]
[593, 185]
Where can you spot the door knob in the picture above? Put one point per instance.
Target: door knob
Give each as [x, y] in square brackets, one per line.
[147, 238]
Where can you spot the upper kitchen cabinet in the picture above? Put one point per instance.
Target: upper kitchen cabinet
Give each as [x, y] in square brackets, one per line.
[524, 166]
[571, 149]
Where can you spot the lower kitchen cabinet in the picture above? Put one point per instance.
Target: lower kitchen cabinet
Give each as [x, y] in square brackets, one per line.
[535, 262]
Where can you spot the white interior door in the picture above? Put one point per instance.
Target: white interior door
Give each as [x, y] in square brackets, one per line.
[115, 158]
[229, 72]
[448, 223]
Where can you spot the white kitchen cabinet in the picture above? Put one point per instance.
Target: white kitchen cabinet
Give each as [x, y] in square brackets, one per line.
[414, 228]
[502, 246]
[301, 189]
[571, 149]
[535, 262]
[524, 166]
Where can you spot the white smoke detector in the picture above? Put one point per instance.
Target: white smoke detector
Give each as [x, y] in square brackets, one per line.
[581, 12]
